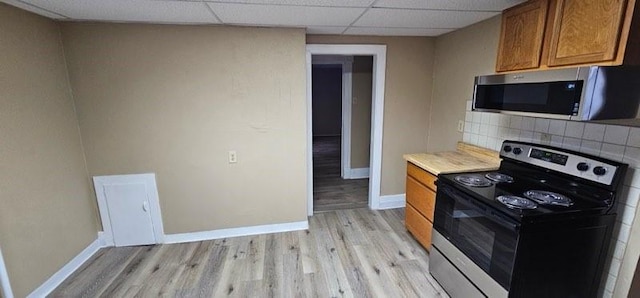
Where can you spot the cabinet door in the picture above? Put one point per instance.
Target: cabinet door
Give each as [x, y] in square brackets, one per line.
[421, 198]
[586, 31]
[418, 226]
[521, 36]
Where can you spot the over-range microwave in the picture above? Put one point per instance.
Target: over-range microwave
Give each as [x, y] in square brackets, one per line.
[581, 93]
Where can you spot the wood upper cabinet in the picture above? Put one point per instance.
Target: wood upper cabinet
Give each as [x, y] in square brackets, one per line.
[522, 36]
[586, 31]
[559, 33]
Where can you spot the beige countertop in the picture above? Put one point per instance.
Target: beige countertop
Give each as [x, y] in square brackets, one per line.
[467, 158]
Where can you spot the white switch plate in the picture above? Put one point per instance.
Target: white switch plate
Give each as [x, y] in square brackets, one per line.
[460, 126]
[233, 158]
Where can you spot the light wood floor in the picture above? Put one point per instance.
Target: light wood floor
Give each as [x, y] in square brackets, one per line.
[330, 191]
[345, 253]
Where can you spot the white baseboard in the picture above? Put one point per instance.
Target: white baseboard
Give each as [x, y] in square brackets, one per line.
[104, 240]
[57, 278]
[392, 202]
[236, 232]
[358, 173]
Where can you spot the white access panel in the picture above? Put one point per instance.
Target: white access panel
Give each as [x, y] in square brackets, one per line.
[129, 214]
[129, 209]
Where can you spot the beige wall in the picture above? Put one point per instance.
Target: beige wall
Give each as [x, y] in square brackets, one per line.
[407, 100]
[361, 111]
[459, 57]
[174, 100]
[47, 213]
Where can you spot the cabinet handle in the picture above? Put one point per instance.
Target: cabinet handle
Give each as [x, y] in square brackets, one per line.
[145, 206]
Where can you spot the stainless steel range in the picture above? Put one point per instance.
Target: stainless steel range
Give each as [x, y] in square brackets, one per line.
[540, 226]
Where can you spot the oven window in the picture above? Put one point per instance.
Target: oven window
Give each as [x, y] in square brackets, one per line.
[482, 235]
[475, 237]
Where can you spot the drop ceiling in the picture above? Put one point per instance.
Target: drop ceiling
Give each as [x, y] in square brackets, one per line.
[348, 17]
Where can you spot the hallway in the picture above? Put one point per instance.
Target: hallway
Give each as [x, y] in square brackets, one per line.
[330, 191]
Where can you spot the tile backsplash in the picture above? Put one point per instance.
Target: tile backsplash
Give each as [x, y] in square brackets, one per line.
[620, 143]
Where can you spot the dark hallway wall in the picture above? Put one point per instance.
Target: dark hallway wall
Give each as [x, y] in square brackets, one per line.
[327, 100]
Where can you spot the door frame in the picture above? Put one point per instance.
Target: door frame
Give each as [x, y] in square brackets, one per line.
[346, 63]
[5, 285]
[379, 53]
[149, 180]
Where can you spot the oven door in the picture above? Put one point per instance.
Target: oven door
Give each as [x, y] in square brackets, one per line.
[486, 237]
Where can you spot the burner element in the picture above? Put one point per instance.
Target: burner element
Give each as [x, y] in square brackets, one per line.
[473, 180]
[515, 202]
[548, 198]
[499, 177]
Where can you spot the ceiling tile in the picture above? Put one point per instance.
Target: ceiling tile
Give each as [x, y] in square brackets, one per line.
[329, 3]
[485, 5]
[404, 18]
[396, 31]
[277, 15]
[127, 10]
[34, 9]
[325, 30]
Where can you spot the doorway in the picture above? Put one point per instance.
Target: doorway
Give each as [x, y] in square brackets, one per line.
[341, 116]
[378, 54]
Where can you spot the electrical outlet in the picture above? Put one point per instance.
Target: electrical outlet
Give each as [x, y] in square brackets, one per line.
[460, 126]
[233, 158]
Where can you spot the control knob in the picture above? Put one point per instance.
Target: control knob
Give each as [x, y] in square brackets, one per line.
[599, 171]
[582, 166]
[517, 150]
[507, 148]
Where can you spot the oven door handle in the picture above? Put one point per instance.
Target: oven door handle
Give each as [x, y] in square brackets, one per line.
[493, 216]
[502, 221]
[478, 207]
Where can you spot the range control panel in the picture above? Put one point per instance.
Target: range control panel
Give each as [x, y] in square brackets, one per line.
[558, 160]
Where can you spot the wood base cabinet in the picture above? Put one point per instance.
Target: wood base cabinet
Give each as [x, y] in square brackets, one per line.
[421, 201]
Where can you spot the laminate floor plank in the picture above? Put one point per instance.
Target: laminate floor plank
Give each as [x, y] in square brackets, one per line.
[345, 253]
[307, 249]
[211, 276]
[110, 264]
[345, 247]
[422, 281]
[273, 266]
[330, 265]
[163, 281]
[131, 273]
[293, 277]
[330, 191]
[254, 261]
[194, 267]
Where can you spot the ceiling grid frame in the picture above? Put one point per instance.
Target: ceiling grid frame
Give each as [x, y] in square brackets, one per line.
[350, 17]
